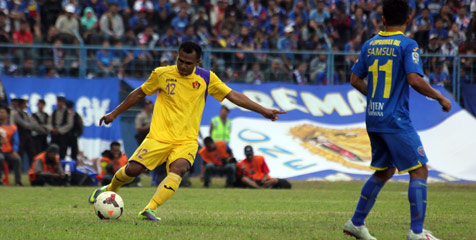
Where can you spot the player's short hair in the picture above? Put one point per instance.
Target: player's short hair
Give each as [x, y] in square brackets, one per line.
[190, 47]
[395, 12]
[208, 140]
[115, 144]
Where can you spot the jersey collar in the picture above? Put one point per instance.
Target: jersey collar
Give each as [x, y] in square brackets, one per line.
[388, 34]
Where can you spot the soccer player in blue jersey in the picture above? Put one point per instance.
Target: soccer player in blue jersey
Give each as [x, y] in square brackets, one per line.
[391, 62]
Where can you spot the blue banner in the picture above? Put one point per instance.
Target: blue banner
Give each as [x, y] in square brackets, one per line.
[92, 97]
[335, 105]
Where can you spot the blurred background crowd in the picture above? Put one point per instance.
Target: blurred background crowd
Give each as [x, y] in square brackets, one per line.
[253, 41]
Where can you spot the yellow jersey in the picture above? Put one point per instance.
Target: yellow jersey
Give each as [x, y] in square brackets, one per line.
[180, 102]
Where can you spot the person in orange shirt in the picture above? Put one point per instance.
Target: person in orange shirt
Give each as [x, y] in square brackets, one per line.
[254, 172]
[46, 168]
[9, 144]
[111, 161]
[217, 159]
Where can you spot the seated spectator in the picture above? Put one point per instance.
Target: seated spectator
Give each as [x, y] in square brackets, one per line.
[104, 58]
[23, 36]
[139, 21]
[255, 75]
[319, 14]
[112, 24]
[7, 67]
[46, 168]
[111, 161]
[276, 72]
[288, 43]
[189, 35]
[148, 38]
[88, 22]
[300, 74]
[438, 76]
[10, 143]
[254, 173]
[217, 159]
[180, 22]
[121, 59]
[439, 31]
[67, 24]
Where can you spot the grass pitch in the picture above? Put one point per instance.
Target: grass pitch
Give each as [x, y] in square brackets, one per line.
[311, 210]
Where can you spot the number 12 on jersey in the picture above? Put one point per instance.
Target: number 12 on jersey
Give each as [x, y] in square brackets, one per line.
[387, 69]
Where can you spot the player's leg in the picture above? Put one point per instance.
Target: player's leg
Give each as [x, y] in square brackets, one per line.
[230, 171]
[382, 163]
[418, 198]
[209, 170]
[179, 162]
[125, 175]
[249, 182]
[271, 182]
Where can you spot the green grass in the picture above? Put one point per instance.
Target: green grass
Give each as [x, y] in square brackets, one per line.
[311, 210]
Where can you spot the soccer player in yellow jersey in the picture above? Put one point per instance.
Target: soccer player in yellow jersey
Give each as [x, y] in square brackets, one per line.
[181, 91]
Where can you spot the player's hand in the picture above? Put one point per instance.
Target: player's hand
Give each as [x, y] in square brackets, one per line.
[445, 104]
[108, 118]
[272, 114]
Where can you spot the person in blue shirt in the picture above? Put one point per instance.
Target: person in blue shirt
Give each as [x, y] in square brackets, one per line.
[391, 62]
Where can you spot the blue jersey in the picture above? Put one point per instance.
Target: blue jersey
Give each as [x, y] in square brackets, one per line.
[385, 60]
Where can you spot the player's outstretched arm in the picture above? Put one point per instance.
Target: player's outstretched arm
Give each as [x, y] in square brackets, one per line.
[421, 86]
[243, 101]
[359, 84]
[132, 99]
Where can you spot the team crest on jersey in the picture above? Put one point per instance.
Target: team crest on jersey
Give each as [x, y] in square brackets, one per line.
[416, 57]
[421, 151]
[196, 85]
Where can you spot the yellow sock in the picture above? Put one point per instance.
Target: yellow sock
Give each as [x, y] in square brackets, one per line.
[165, 190]
[119, 179]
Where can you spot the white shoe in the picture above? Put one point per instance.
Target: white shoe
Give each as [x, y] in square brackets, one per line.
[424, 235]
[360, 232]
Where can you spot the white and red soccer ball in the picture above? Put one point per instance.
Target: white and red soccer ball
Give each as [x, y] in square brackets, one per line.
[109, 205]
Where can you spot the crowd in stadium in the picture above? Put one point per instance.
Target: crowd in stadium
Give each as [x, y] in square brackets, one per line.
[440, 27]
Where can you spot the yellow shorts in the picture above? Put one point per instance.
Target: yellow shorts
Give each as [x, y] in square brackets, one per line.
[152, 153]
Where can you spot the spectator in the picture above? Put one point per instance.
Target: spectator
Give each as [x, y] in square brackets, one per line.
[75, 132]
[457, 37]
[67, 24]
[342, 25]
[112, 24]
[7, 67]
[300, 75]
[104, 58]
[319, 14]
[439, 31]
[462, 20]
[88, 22]
[256, 9]
[202, 20]
[422, 26]
[288, 43]
[169, 39]
[231, 23]
[217, 13]
[46, 169]
[143, 5]
[276, 10]
[121, 58]
[190, 35]
[180, 22]
[162, 18]
[217, 159]
[446, 16]
[298, 10]
[40, 135]
[139, 21]
[142, 60]
[50, 10]
[61, 122]
[24, 124]
[23, 36]
[274, 30]
[148, 38]
[111, 161]
[220, 126]
[255, 75]
[10, 143]
[254, 172]
[143, 120]
[276, 72]
[376, 20]
[438, 76]
[359, 22]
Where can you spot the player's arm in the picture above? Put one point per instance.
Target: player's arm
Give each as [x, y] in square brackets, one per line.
[243, 101]
[421, 86]
[132, 99]
[359, 83]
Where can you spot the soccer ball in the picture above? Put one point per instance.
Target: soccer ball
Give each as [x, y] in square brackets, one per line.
[109, 205]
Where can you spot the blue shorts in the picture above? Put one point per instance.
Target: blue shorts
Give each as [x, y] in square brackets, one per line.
[403, 151]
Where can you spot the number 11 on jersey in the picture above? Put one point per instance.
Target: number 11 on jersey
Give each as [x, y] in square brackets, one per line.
[387, 68]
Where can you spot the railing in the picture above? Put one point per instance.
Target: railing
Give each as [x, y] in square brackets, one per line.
[320, 67]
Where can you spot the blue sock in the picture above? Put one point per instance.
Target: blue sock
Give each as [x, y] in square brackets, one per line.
[367, 199]
[417, 199]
